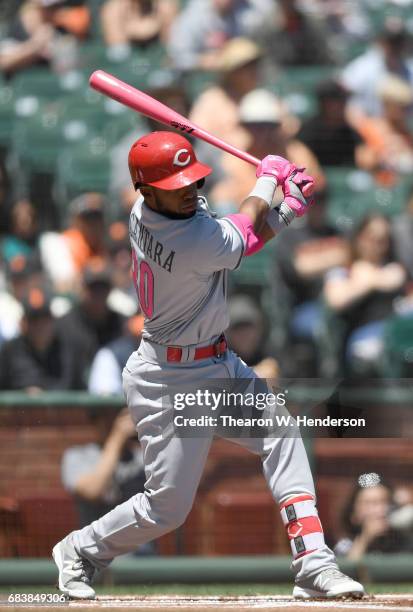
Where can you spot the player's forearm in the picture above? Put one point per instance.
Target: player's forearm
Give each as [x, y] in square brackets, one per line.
[275, 221]
[257, 210]
[258, 202]
[92, 486]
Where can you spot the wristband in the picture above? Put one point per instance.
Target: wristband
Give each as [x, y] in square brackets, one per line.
[279, 218]
[264, 188]
[286, 213]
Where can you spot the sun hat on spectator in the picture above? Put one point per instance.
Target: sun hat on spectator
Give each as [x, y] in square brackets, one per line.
[238, 52]
[396, 90]
[86, 204]
[261, 106]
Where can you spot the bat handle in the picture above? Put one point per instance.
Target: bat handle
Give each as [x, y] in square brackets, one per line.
[248, 158]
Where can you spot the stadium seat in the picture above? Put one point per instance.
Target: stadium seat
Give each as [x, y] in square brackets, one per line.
[7, 103]
[297, 86]
[86, 106]
[96, 55]
[120, 125]
[354, 193]
[83, 167]
[254, 271]
[398, 343]
[92, 55]
[38, 82]
[330, 343]
[196, 82]
[36, 141]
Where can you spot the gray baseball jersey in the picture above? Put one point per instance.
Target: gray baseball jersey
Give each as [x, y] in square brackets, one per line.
[180, 272]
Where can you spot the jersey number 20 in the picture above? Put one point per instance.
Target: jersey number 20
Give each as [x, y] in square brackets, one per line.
[143, 280]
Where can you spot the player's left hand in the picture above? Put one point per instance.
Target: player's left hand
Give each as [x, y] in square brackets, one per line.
[298, 189]
[275, 166]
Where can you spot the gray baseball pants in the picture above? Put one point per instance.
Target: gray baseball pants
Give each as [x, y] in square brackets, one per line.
[174, 465]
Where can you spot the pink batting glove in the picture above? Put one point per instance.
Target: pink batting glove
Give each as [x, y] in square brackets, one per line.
[298, 189]
[275, 166]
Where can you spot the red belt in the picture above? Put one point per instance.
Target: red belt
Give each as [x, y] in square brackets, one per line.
[174, 353]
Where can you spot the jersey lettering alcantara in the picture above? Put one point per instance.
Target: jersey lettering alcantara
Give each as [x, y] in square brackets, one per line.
[180, 271]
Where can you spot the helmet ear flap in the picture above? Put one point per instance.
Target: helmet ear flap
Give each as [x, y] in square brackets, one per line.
[200, 183]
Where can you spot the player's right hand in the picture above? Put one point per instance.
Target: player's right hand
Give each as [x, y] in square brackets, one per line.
[298, 189]
[276, 167]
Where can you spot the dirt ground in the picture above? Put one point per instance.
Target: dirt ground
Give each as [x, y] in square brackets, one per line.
[164, 603]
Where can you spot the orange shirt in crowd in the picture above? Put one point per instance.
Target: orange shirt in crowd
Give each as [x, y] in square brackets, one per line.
[80, 250]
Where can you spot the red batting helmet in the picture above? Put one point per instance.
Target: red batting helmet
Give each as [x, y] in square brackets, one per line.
[165, 160]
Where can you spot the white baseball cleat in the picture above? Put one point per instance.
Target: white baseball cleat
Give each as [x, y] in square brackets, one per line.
[329, 583]
[75, 572]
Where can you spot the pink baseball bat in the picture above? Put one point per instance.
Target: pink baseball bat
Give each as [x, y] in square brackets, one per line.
[139, 101]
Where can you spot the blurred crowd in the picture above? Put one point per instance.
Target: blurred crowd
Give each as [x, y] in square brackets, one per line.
[326, 83]
[377, 518]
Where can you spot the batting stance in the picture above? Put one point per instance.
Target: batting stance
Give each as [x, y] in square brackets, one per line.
[181, 255]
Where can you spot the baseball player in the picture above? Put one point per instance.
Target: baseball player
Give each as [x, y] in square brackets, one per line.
[181, 255]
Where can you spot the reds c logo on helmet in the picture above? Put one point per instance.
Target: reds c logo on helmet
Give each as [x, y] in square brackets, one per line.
[182, 162]
[165, 160]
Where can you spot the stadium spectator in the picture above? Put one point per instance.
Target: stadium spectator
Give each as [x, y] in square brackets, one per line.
[100, 475]
[363, 293]
[106, 370]
[85, 238]
[127, 23]
[92, 321]
[328, 134]
[388, 54]
[367, 522]
[5, 190]
[265, 126]
[239, 73]
[21, 239]
[41, 358]
[204, 26]
[347, 22]
[118, 245]
[305, 252]
[122, 297]
[387, 149]
[402, 236]
[42, 32]
[21, 273]
[296, 38]
[246, 336]
[64, 256]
